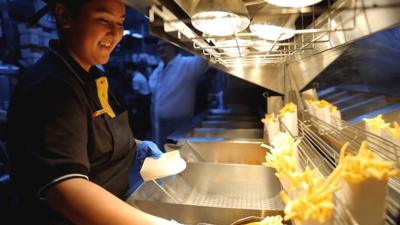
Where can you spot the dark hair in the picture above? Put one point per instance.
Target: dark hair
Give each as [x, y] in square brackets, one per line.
[73, 7]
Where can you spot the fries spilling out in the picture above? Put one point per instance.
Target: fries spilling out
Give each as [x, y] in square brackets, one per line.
[308, 195]
[315, 204]
[283, 156]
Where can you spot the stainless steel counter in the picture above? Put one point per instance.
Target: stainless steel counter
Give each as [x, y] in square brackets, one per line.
[230, 152]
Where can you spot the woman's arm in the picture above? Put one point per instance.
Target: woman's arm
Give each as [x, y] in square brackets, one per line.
[84, 202]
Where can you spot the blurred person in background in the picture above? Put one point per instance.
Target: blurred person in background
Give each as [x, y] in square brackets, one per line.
[73, 156]
[173, 86]
[140, 119]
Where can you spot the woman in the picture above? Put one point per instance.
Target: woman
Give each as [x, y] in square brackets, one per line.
[70, 144]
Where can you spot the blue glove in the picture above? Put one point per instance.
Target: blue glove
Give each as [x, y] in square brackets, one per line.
[143, 149]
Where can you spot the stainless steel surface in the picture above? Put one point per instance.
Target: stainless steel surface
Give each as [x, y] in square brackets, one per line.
[314, 48]
[370, 16]
[230, 124]
[218, 185]
[230, 117]
[274, 104]
[360, 101]
[270, 76]
[390, 114]
[193, 215]
[226, 133]
[229, 152]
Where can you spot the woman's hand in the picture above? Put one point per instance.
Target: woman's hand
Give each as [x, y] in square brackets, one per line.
[147, 149]
[143, 149]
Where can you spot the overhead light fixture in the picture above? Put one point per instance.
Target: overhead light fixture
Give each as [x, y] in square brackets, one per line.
[272, 32]
[276, 27]
[264, 46]
[220, 17]
[293, 3]
[233, 47]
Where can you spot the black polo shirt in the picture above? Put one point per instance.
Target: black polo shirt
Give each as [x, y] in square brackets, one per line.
[53, 135]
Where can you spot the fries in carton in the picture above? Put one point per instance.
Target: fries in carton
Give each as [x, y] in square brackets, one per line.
[315, 205]
[392, 134]
[336, 117]
[271, 126]
[311, 107]
[396, 134]
[323, 111]
[288, 116]
[377, 126]
[365, 185]
[283, 157]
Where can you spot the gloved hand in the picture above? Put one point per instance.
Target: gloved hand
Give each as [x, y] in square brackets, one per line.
[146, 149]
[143, 149]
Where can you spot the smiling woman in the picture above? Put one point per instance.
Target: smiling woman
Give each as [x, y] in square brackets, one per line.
[74, 163]
[91, 36]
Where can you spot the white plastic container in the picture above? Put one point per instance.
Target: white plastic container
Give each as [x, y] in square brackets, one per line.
[168, 164]
[366, 201]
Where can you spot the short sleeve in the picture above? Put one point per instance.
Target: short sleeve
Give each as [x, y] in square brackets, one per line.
[55, 131]
[199, 65]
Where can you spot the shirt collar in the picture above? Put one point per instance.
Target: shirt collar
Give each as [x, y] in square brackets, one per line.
[173, 60]
[84, 76]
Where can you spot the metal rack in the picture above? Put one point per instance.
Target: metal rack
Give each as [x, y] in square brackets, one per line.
[325, 21]
[327, 139]
[316, 154]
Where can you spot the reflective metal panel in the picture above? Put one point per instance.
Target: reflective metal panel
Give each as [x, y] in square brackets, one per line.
[197, 215]
[230, 152]
[230, 124]
[330, 31]
[226, 133]
[370, 16]
[217, 185]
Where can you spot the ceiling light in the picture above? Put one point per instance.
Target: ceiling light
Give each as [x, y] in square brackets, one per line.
[273, 27]
[264, 45]
[271, 32]
[293, 3]
[220, 17]
[233, 47]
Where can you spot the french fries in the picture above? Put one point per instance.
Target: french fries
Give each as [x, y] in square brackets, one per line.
[324, 111]
[271, 126]
[366, 164]
[269, 220]
[269, 118]
[396, 130]
[316, 202]
[376, 124]
[365, 184]
[288, 108]
[282, 155]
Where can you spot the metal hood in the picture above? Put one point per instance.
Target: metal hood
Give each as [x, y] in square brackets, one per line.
[322, 33]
